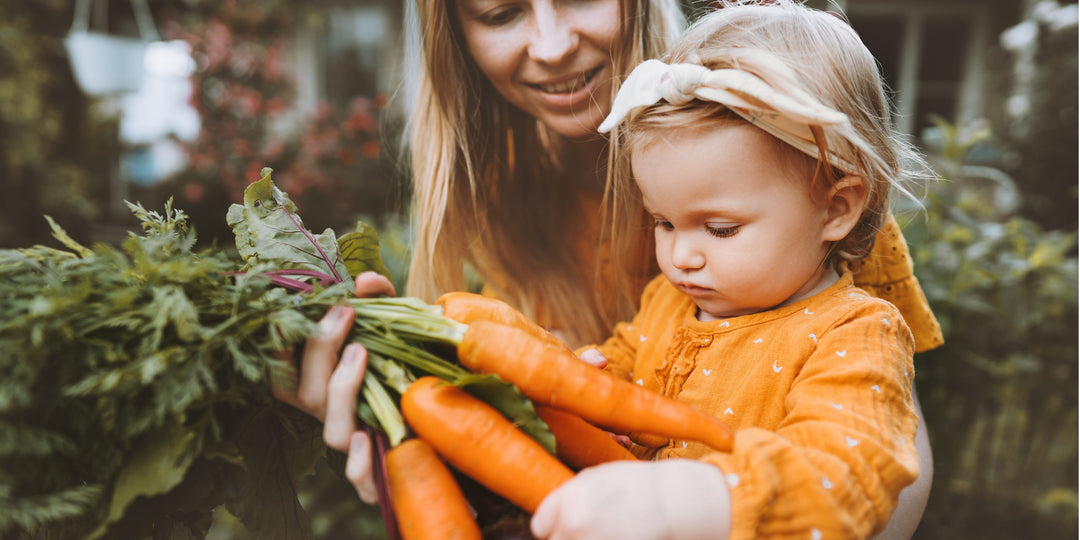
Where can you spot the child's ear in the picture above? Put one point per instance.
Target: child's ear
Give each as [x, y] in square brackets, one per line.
[846, 201]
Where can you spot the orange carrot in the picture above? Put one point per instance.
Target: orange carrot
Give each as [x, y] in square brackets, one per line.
[466, 307]
[553, 375]
[478, 441]
[579, 443]
[427, 500]
[650, 440]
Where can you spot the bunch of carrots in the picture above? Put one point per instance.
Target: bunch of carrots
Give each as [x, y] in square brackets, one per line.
[576, 400]
[438, 418]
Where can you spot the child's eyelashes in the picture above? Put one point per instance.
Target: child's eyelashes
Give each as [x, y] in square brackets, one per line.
[718, 230]
[722, 231]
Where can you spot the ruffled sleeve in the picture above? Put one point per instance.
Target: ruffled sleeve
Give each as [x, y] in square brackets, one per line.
[888, 273]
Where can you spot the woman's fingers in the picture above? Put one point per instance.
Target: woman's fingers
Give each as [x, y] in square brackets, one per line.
[358, 467]
[287, 395]
[341, 395]
[320, 356]
[373, 284]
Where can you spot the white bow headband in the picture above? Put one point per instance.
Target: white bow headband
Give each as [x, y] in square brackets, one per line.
[782, 116]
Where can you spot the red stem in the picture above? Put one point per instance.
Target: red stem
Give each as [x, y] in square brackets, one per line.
[311, 239]
[378, 460]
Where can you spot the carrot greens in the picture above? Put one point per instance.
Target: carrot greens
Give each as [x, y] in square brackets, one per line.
[134, 379]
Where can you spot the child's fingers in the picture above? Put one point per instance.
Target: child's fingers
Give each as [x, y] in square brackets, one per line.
[341, 395]
[320, 357]
[543, 520]
[358, 467]
[621, 439]
[594, 358]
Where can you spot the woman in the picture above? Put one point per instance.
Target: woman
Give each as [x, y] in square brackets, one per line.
[508, 166]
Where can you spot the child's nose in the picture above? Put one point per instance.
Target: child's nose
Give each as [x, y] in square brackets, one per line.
[685, 254]
[555, 36]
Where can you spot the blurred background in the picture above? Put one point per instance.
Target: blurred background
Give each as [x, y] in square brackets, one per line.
[103, 101]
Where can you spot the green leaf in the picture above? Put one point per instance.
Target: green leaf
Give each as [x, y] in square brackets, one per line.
[360, 250]
[269, 230]
[267, 502]
[30, 512]
[62, 235]
[156, 466]
[506, 398]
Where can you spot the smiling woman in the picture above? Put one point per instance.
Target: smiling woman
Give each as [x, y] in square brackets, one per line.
[551, 60]
[507, 164]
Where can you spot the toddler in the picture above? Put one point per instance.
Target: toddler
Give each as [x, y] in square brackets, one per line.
[760, 149]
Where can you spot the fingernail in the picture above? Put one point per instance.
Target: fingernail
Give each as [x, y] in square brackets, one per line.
[330, 321]
[348, 358]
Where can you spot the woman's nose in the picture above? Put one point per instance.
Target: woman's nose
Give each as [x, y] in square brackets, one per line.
[555, 37]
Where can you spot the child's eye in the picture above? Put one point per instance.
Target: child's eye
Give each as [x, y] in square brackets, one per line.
[722, 231]
[663, 224]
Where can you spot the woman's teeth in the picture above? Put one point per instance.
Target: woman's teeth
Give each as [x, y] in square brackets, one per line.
[568, 87]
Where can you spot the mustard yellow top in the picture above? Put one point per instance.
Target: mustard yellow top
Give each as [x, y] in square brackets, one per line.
[818, 393]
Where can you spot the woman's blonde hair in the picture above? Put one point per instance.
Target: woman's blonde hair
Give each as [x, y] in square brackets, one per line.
[488, 189]
[798, 49]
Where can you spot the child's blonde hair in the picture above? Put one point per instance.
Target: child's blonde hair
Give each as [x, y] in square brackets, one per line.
[488, 187]
[795, 50]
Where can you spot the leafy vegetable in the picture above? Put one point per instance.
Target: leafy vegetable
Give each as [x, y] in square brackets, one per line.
[134, 380]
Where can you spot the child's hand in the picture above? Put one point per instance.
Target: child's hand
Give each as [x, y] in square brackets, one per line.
[675, 498]
[594, 358]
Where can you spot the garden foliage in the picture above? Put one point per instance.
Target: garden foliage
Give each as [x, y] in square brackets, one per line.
[1000, 396]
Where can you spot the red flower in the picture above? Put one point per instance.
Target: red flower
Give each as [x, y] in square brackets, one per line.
[346, 157]
[370, 149]
[194, 192]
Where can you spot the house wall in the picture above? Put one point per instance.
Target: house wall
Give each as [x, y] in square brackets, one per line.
[934, 54]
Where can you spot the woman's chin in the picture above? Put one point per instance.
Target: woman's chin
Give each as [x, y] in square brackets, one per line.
[576, 126]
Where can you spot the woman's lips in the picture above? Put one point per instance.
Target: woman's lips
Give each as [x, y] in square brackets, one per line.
[569, 92]
[568, 86]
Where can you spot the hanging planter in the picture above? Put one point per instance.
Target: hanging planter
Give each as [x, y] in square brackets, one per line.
[108, 64]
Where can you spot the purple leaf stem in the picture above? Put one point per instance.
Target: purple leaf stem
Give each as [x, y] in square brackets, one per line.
[290, 283]
[329, 263]
[323, 278]
[378, 461]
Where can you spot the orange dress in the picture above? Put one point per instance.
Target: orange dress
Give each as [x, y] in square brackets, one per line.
[818, 393]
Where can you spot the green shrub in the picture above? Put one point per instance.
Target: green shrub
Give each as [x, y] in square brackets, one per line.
[1000, 396]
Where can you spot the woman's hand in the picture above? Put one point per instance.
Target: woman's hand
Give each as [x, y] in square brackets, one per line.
[329, 385]
[676, 498]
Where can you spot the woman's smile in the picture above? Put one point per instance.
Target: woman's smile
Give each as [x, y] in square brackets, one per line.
[568, 91]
